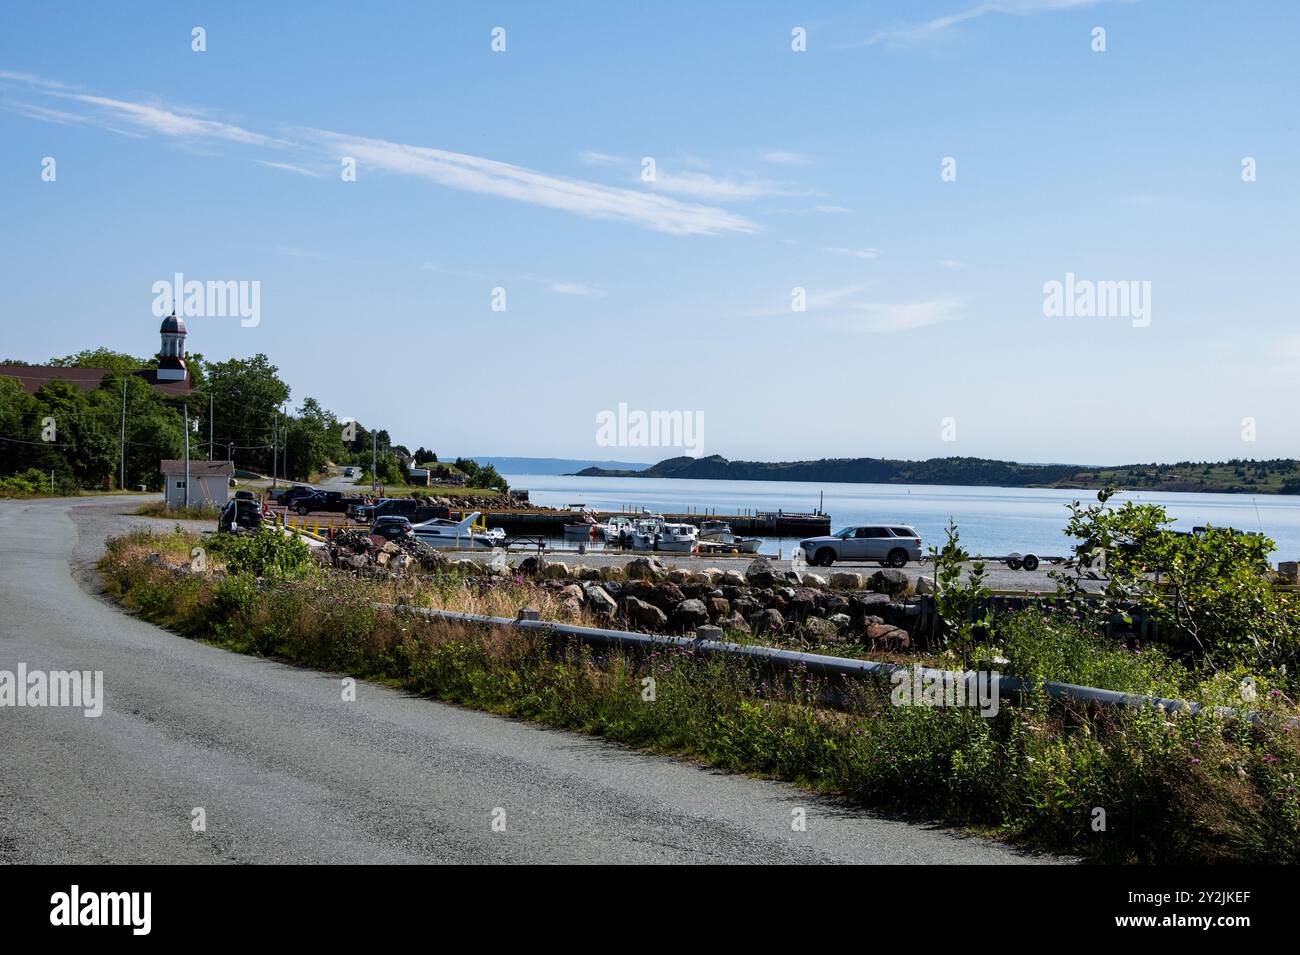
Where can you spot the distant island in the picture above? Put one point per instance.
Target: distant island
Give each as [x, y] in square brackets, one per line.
[1277, 476]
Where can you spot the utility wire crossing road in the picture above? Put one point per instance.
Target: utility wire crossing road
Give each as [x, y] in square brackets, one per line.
[285, 771]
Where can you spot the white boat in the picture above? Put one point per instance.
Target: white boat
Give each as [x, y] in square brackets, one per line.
[678, 538]
[442, 532]
[720, 532]
[645, 533]
[617, 531]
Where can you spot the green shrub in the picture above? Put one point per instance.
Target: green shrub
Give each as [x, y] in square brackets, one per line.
[266, 553]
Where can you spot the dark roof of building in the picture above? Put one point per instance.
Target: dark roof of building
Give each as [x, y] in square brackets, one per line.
[32, 377]
[198, 469]
[173, 324]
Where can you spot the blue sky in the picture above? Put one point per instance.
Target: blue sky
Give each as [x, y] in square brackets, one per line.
[775, 169]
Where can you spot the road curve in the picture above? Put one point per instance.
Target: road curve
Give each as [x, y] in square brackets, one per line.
[286, 771]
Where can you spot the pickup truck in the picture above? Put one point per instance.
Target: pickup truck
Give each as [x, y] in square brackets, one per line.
[288, 495]
[322, 502]
[406, 507]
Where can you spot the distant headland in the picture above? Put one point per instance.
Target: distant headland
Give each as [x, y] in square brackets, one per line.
[1238, 476]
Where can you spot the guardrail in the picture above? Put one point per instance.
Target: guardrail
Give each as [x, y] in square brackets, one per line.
[707, 643]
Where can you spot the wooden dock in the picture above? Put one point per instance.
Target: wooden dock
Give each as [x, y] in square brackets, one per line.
[758, 524]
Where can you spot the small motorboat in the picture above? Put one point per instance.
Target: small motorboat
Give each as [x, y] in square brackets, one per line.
[678, 538]
[720, 532]
[443, 532]
[584, 525]
[645, 533]
[617, 531]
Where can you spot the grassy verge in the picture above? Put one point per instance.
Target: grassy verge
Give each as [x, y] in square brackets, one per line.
[160, 509]
[1130, 786]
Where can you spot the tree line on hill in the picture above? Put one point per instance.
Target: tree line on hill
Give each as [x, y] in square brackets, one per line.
[1280, 475]
[62, 439]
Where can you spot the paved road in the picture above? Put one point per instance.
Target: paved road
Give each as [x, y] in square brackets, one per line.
[288, 772]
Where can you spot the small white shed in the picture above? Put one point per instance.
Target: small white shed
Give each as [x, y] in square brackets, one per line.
[209, 483]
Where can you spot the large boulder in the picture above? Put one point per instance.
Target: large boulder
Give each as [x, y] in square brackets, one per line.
[641, 614]
[846, 580]
[666, 596]
[572, 592]
[709, 576]
[818, 631]
[599, 601]
[532, 566]
[733, 578]
[555, 570]
[801, 604]
[887, 636]
[646, 568]
[679, 576]
[718, 607]
[690, 614]
[926, 585]
[760, 573]
[586, 573]
[816, 581]
[736, 624]
[890, 581]
[767, 621]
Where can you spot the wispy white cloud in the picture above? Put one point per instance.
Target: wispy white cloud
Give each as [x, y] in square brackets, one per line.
[455, 170]
[702, 185]
[168, 122]
[830, 210]
[867, 254]
[888, 317]
[844, 308]
[576, 288]
[491, 177]
[952, 264]
[592, 158]
[781, 157]
[291, 167]
[938, 26]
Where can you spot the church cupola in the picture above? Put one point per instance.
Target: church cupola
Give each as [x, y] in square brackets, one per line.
[171, 358]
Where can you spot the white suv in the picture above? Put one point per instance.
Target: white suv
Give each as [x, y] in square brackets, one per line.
[893, 545]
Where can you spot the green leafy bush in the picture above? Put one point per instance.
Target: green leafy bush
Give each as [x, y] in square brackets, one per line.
[266, 553]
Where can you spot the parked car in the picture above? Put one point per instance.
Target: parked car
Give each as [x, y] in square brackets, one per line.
[406, 507]
[329, 502]
[287, 496]
[239, 514]
[391, 527]
[893, 545]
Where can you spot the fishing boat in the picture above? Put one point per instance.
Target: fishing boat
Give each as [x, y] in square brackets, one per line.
[645, 533]
[720, 532]
[585, 526]
[678, 538]
[617, 531]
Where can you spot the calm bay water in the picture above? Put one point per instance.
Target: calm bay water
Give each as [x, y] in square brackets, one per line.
[991, 520]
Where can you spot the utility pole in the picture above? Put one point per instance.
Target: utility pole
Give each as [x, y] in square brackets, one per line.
[374, 460]
[209, 426]
[121, 481]
[187, 455]
[275, 443]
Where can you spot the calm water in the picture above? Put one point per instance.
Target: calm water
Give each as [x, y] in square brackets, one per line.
[991, 520]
